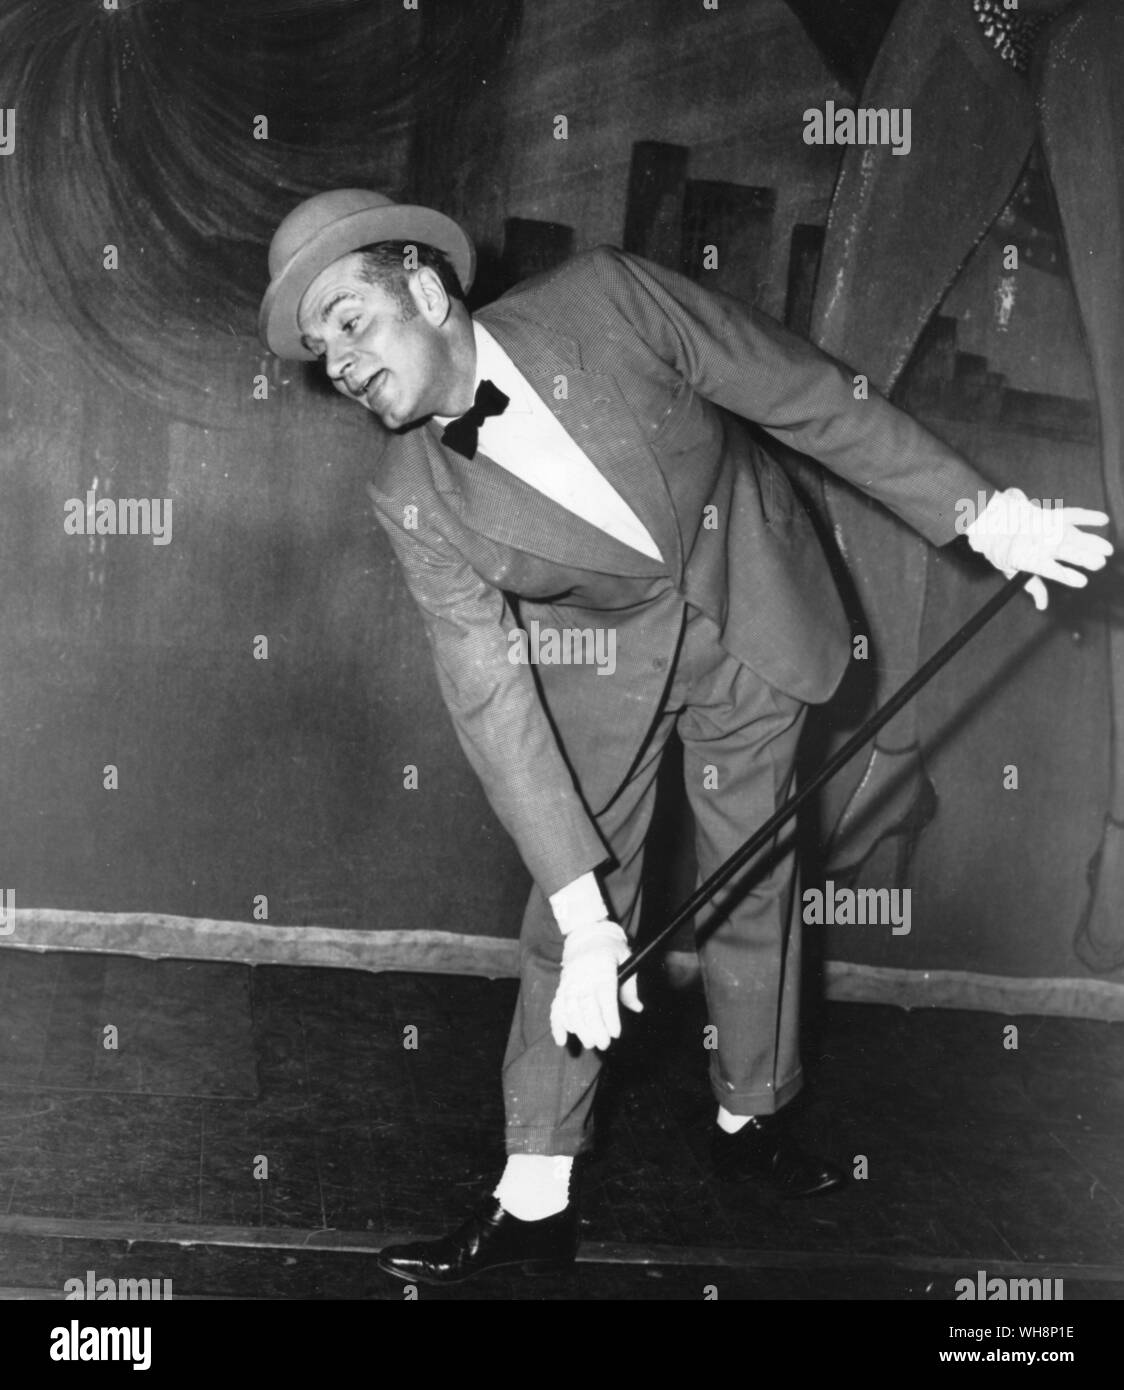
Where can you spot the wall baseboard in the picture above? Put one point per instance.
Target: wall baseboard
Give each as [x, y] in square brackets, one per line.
[154, 936]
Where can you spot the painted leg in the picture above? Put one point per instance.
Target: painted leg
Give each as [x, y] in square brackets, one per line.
[901, 228]
[1082, 114]
[1099, 938]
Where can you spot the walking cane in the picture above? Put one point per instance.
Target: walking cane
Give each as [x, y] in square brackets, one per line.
[783, 814]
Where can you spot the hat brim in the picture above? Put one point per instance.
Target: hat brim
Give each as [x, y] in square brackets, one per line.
[277, 323]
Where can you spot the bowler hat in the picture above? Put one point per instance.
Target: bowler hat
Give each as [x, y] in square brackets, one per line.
[329, 225]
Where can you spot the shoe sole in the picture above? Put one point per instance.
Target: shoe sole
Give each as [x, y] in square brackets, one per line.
[831, 1185]
[527, 1267]
[741, 1179]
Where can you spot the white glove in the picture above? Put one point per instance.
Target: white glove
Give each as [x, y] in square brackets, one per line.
[585, 1002]
[1016, 534]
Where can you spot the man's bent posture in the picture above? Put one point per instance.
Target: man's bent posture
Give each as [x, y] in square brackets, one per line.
[568, 462]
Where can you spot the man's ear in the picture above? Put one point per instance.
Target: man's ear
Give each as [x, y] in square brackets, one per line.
[428, 293]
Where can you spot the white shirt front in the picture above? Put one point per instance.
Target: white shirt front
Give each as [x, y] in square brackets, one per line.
[528, 441]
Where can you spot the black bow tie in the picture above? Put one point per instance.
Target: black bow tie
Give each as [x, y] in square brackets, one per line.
[461, 434]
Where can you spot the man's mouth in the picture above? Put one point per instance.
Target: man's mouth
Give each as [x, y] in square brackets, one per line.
[373, 382]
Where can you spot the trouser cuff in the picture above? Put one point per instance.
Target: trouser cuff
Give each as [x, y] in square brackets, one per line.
[758, 1102]
[553, 1142]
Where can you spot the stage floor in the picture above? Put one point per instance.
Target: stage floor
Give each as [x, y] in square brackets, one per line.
[140, 1161]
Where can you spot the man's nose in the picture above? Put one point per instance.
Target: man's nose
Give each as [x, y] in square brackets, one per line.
[339, 364]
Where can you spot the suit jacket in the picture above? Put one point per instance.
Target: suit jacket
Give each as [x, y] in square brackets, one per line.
[646, 371]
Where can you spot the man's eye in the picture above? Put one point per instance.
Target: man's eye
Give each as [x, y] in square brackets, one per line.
[349, 325]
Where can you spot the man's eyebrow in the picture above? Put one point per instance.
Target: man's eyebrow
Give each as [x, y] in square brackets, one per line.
[335, 299]
[325, 313]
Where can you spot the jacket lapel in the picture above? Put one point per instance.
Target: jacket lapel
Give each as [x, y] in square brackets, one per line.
[496, 503]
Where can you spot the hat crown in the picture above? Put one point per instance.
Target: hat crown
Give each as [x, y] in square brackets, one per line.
[328, 226]
[308, 219]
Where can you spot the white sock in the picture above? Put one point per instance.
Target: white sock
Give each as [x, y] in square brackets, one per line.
[535, 1186]
[730, 1124]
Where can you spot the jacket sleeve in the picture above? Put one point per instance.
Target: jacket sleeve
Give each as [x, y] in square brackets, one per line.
[497, 712]
[746, 362]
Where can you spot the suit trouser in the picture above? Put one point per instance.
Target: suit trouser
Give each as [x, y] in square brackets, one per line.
[739, 737]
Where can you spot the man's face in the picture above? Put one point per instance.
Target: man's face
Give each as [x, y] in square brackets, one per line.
[397, 367]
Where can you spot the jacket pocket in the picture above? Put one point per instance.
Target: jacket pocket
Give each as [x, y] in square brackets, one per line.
[778, 501]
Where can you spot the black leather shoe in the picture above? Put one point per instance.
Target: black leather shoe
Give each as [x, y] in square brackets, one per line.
[761, 1151]
[490, 1239]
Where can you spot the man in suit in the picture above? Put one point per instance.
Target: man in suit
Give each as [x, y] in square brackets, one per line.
[568, 462]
